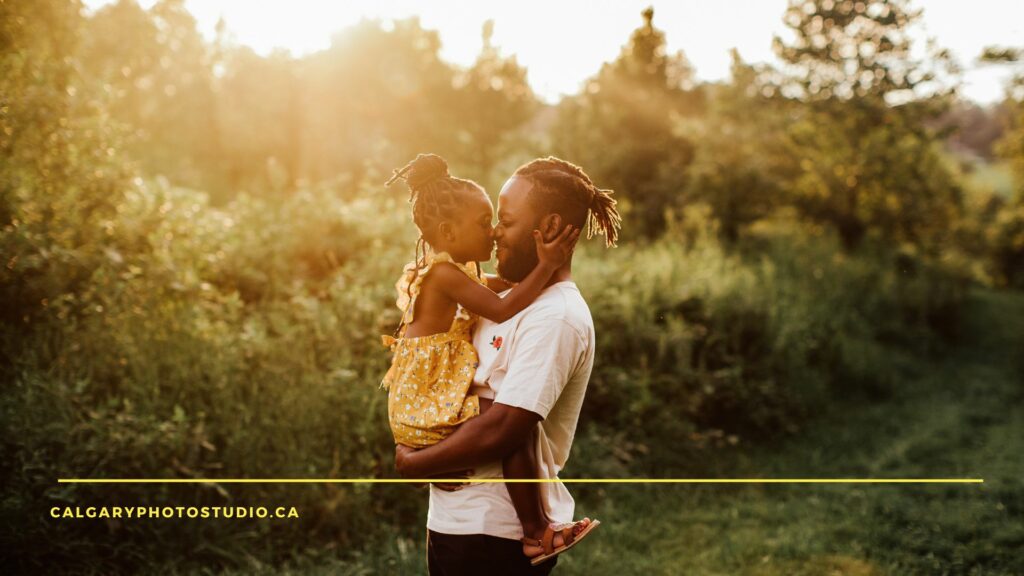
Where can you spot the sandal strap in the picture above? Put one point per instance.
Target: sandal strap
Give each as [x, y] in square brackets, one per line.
[567, 536]
[548, 541]
[530, 541]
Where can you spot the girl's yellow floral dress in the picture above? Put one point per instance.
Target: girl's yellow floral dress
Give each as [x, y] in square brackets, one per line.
[430, 375]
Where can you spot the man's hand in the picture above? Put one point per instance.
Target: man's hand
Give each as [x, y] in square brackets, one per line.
[401, 460]
[453, 486]
[402, 453]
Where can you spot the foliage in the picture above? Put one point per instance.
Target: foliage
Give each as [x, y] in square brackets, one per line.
[494, 101]
[973, 130]
[721, 348]
[61, 175]
[1006, 238]
[621, 128]
[196, 328]
[157, 71]
[242, 342]
[1006, 235]
[379, 97]
[739, 165]
[258, 130]
[865, 158]
[854, 50]
[194, 279]
[219, 117]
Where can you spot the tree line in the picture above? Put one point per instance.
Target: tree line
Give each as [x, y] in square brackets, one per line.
[849, 132]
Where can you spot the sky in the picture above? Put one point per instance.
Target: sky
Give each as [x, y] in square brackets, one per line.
[564, 42]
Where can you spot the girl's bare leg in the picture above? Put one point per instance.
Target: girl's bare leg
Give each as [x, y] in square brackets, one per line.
[526, 495]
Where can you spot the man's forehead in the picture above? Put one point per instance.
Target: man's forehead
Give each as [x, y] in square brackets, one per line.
[514, 193]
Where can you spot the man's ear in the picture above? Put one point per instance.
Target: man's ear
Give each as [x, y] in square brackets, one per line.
[550, 226]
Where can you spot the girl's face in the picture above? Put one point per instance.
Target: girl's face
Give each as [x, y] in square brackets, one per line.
[471, 237]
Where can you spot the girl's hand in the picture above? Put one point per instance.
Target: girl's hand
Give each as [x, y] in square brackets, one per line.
[557, 252]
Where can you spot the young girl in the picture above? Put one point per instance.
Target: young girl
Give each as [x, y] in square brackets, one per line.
[441, 294]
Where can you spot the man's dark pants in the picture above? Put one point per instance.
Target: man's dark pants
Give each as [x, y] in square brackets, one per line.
[472, 554]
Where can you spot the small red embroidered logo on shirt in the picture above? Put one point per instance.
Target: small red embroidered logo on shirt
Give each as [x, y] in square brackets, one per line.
[496, 342]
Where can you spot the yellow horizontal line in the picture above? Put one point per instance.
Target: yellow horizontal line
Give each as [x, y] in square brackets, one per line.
[522, 480]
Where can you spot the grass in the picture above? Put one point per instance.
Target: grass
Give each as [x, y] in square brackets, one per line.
[958, 414]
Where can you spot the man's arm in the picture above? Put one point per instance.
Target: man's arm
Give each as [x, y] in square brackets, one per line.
[491, 436]
[541, 357]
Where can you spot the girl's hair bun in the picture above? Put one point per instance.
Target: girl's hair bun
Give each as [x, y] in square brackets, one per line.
[425, 169]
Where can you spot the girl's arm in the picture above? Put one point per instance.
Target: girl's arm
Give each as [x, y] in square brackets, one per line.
[482, 301]
[496, 283]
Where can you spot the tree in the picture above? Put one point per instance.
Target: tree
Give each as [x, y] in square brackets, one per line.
[867, 161]
[261, 120]
[974, 130]
[623, 127]
[737, 169]
[1006, 231]
[1011, 145]
[494, 101]
[160, 76]
[376, 98]
[61, 176]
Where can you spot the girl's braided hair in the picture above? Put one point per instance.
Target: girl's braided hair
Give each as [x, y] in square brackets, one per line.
[435, 196]
[564, 188]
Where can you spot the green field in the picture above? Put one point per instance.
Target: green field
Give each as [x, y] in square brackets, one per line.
[958, 414]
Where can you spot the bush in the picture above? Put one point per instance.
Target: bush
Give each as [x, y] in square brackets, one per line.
[242, 342]
[701, 349]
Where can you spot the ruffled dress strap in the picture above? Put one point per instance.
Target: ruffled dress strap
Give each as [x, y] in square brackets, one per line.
[409, 284]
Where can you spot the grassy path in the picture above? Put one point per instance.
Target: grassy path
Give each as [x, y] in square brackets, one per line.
[960, 415]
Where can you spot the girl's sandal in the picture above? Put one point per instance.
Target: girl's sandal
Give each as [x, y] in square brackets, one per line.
[547, 541]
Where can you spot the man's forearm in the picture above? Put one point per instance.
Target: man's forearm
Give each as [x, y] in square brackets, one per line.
[451, 454]
[486, 438]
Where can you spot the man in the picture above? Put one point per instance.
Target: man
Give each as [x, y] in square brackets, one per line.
[535, 366]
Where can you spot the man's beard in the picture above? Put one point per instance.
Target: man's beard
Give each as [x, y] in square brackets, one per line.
[515, 262]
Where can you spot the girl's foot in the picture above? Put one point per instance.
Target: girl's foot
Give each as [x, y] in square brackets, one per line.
[532, 544]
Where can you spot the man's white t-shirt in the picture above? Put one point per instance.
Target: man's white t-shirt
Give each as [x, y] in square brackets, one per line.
[539, 360]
